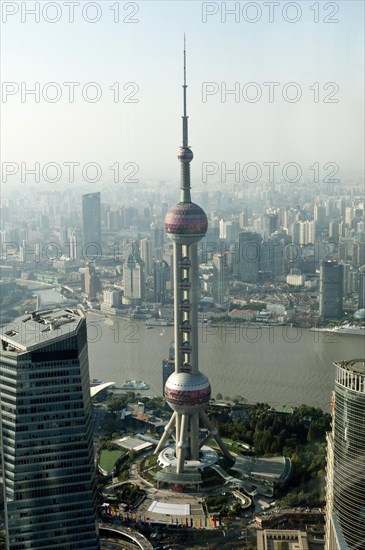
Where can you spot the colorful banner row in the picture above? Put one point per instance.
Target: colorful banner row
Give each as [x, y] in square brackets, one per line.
[197, 522]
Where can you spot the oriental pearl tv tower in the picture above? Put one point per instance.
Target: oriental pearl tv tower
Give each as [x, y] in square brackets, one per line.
[187, 390]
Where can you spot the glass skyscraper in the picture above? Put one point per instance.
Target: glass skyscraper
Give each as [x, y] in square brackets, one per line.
[331, 290]
[345, 498]
[91, 224]
[46, 433]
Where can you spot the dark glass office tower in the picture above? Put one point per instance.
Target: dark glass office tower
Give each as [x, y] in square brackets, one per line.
[249, 256]
[91, 224]
[331, 290]
[46, 432]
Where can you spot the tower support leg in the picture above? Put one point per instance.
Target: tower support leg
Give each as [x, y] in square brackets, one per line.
[181, 443]
[215, 434]
[194, 436]
[167, 433]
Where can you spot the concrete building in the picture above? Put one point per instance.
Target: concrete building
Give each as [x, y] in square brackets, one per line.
[295, 277]
[91, 224]
[46, 432]
[92, 281]
[345, 490]
[331, 290]
[112, 297]
[276, 539]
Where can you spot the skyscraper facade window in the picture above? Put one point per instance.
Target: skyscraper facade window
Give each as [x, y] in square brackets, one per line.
[46, 432]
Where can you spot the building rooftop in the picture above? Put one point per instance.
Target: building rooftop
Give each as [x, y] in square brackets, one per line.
[38, 328]
[354, 365]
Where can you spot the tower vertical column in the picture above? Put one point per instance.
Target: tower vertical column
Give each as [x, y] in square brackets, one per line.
[178, 315]
[194, 297]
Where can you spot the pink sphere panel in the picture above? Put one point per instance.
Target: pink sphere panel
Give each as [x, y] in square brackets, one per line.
[186, 218]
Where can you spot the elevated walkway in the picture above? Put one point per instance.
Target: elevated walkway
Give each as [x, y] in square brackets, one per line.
[114, 531]
[239, 483]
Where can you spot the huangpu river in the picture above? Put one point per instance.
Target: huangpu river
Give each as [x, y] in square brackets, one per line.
[278, 365]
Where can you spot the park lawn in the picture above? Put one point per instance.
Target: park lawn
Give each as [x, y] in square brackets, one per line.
[108, 459]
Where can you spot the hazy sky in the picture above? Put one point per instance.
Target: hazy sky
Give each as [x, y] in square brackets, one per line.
[324, 60]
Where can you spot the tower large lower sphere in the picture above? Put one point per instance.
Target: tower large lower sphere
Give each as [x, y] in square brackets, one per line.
[187, 390]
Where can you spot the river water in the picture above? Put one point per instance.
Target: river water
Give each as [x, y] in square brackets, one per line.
[280, 365]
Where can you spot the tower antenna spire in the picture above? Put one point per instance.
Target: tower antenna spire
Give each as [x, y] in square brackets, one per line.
[185, 116]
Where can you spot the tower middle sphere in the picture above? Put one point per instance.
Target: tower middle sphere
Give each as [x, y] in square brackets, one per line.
[185, 154]
[186, 218]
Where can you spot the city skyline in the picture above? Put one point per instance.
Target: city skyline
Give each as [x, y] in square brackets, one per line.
[145, 53]
[270, 255]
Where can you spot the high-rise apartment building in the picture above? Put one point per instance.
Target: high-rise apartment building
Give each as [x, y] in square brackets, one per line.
[145, 246]
[92, 281]
[134, 279]
[75, 244]
[161, 274]
[269, 223]
[361, 302]
[330, 290]
[249, 256]
[220, 279]
[345, 496]
[46, 433]
[91, 224]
